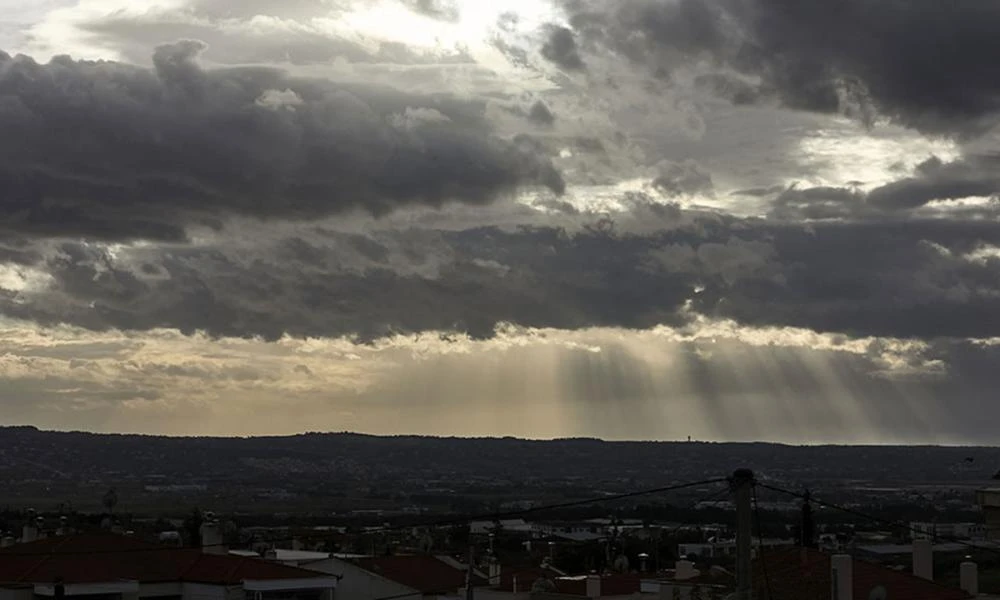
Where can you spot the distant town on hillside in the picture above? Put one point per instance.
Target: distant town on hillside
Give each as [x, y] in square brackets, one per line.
[342, 474]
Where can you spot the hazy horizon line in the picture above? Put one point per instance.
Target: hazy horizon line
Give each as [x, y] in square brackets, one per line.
[502, 437]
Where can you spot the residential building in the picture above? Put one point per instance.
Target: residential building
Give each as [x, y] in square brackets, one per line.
[506, 525]
[947, 531]
[797, 573]
[515, 583]
[108, 566]
[284, 556]
[687, 582]
[892, 552]
[412, 577]
[546, 584]
[988, 500]
[726, 547]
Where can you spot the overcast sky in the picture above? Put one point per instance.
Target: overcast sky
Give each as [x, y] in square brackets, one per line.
[642, 219]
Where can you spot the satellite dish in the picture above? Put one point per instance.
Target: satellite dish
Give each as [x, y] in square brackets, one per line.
[878, 593]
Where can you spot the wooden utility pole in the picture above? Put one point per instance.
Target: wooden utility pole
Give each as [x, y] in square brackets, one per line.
[469, 595]
[741, 485]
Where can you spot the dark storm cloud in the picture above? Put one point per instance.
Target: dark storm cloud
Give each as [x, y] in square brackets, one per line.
[732, 88]
[677, 179]
[344, 285]
[560, 48]
[817, 203]
[759, 192]
[541, 114]
[895, 278]
[106, 150]
[924, 63]
[933, 180]
[920, 278]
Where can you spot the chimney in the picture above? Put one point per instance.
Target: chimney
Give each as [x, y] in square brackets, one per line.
[969, 578]
[211, 538]
[923, 559]
[842, 577]
[494, 572]
[63, 526]
[593, 586]
[643, 558]
[30, 531]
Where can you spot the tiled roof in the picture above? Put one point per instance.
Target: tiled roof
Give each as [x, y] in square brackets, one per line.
[796, 573]
[110, 557]
[421, 572]
[526, 576]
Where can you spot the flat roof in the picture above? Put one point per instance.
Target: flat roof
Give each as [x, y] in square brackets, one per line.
[945, 547]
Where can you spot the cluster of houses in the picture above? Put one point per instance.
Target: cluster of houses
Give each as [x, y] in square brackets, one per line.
[62, 564]
[117, 566]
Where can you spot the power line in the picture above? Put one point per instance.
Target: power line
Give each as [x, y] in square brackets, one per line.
[706, 498]
[389, 528]
[877, 519]
[611, 498]
[709, 498]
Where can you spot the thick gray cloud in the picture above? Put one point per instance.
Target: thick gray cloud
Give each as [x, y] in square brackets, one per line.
[971, 176]
[926, 64]
[974, 176]
[900, 278]
[814, 203]
[560, 48]
[110, 151]
[340, 284]
[926, 279]
[541, 114]
[675, 179]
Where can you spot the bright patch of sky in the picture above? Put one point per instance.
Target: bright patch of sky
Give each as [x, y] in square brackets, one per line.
[847, 155]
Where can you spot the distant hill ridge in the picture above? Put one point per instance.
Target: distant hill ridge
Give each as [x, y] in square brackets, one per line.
[354, 456]
[4, 429]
